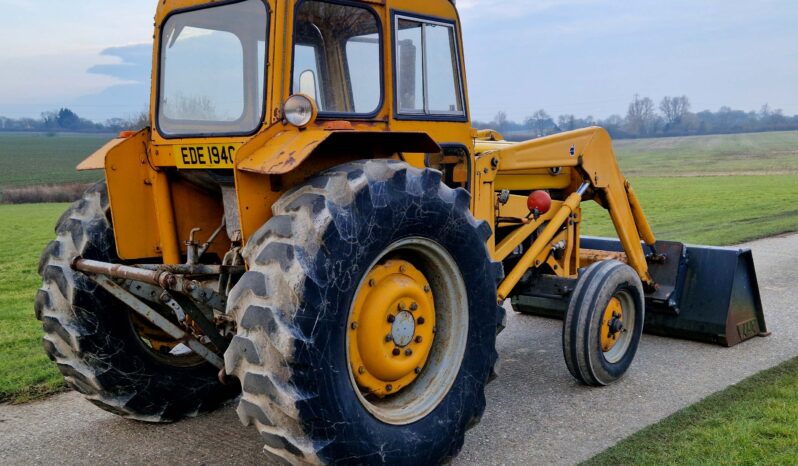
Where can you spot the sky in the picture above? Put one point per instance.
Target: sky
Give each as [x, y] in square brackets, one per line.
[583, 57]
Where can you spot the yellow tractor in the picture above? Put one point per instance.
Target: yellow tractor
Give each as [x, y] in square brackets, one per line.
[311, 223]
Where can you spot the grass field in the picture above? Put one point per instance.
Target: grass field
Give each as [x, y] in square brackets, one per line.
[25, 371]
[36, 158]
[753, 422]
[758, 153]
[710, 210]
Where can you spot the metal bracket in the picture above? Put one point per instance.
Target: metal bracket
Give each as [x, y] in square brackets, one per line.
[158, 320]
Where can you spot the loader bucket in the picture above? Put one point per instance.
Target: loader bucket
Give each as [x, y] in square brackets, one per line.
[707, 294]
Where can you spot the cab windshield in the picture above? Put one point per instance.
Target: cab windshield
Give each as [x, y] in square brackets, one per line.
[212, 69]
[337, 57]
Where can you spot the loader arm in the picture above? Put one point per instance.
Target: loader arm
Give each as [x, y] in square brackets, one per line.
[594, 172]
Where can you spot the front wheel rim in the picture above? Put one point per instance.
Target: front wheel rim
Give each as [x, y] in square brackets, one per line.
[442, 347]
[620, 311]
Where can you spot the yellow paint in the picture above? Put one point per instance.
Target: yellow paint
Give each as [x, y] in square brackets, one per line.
[391, 293]
[613, 311]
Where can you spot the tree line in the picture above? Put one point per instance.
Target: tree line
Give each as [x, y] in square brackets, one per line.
[66, 120]
[672, 117]
[643, 119]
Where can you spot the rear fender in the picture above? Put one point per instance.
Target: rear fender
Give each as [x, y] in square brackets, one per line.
[289, 149]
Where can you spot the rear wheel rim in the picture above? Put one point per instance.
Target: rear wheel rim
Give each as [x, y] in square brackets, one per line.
[428, 373]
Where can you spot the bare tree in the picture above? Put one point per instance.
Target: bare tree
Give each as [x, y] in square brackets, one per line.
[500, 121]
[641, 117]
[540, 123]
[674, 109]
[566, 122]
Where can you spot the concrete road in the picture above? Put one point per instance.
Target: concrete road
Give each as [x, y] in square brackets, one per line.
[537, 414]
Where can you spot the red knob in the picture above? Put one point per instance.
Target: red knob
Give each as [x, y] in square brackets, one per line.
[539, 201]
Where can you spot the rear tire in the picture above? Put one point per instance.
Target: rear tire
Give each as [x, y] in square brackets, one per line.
[90, 335]
[585, 328]
[306, 265]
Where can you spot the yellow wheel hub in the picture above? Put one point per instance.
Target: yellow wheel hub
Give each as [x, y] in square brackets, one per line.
[611, 325]
[391, 328]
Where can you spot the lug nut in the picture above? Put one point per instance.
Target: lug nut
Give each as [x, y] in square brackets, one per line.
[427, 288]
[402, 307]
[418, 370]
[434, 329]
[389, 338]
[408, 352]
[402, 269]
[361, 370]
[419, 339]
[389, 387]
[391, 318]
[397, 351]
[354, 325]
[420, 321]
[372, 282]
[414, 306]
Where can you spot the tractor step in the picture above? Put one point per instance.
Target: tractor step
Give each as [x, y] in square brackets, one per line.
[705, 293]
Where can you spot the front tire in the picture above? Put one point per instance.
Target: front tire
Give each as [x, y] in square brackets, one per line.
[604, 323]
[293, 308]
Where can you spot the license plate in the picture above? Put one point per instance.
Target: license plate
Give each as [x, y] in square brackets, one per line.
[206, 155]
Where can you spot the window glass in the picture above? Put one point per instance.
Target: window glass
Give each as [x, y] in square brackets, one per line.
[212, 70]
[363, 59]
[427, 69]
[442, 76]
[337, 54]
[409, 75]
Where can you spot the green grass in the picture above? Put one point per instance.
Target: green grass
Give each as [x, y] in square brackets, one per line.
[761, 153]
[35, 158]
[25, 371]
[710, 210]
[753, 422]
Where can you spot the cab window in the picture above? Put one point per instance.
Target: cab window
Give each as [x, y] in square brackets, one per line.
[337, 58]
[212, 68]
[427, 68]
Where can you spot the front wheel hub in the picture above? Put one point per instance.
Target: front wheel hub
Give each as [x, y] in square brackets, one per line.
[391, 328]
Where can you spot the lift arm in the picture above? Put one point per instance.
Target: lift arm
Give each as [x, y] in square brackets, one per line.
[594, 166]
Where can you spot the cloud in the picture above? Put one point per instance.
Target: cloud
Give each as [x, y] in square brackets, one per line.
[135, 64]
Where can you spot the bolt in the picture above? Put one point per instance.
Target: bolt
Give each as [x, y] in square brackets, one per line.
[402, 269]
[420, 321]
[418, 370]
[361, 370]
[414, 306]
[427, 288]
[419, 339]
[389, 387]
[408, 352]
[391, 319]
[556, 267]
[354, 325]
[434, 329]
[389, 338]
[537, 263]
[402, 306]
[372, 282]
[396, 351]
